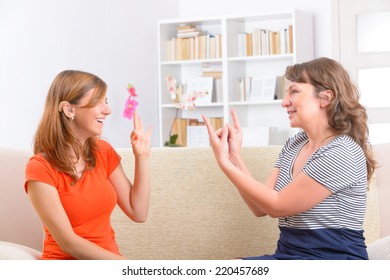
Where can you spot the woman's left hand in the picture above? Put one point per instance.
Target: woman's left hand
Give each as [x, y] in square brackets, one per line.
[140, 139]
[218, 142]
[235, 136]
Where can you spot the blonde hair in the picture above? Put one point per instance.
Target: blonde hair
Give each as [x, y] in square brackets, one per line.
[345, 114]
[54, 138]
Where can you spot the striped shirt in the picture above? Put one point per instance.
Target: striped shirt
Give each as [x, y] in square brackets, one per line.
[340, 166]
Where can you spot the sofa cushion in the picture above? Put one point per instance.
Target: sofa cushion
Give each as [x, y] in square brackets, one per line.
[380, 249]
[382, 155]
[13, 251]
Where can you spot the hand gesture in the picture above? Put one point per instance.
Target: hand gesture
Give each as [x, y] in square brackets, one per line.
[235, 136]
[218, 141]
[140, 139]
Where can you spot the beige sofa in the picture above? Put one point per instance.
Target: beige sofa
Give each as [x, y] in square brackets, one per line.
[195, 212]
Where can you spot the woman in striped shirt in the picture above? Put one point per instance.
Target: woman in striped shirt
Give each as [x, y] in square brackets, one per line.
[318, 187]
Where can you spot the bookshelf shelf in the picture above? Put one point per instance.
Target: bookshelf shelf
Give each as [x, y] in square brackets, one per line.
[194, 62]
[259, 58]
[230, 49]
[258, 103]
[198, 106]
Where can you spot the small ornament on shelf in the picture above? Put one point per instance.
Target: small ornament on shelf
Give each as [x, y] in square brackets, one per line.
[131, 103]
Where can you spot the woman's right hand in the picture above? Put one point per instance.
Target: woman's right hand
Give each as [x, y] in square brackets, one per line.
[140, 139]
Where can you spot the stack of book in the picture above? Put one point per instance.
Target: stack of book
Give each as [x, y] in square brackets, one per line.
[266, 42]
[187, 31]
[191, 43]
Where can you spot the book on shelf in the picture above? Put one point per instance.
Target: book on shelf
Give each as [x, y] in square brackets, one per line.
[216, 123]
[290, 40]
[218, 46]
[277, 49]
[211, 52]
[264, 42]
[214, 71]
[218, 91]
[283, 40]
[248, 44]
[281, 84]
[274, 41]
[245, 85]
[179, 127]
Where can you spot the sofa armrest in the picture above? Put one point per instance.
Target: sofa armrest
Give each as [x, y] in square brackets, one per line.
[13, 251]
[380, 249]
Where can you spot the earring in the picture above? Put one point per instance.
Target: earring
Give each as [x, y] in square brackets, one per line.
[72, 118]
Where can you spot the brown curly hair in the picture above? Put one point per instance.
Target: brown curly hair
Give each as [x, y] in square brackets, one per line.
[345, 114]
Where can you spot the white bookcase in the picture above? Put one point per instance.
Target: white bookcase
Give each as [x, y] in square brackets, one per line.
[254, 114]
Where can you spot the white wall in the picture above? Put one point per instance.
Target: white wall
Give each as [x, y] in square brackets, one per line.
[115, 39]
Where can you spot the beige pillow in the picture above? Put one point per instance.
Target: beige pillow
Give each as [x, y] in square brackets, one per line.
[380, 249]
[13, 251]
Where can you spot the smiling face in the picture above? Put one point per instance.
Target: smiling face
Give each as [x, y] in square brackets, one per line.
[88, 120]
[302, 105]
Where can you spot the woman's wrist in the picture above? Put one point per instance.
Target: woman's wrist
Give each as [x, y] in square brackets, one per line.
[142, 158]
[235, 158]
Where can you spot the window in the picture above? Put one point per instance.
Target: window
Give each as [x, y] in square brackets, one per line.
[374, 86]
[373, 32]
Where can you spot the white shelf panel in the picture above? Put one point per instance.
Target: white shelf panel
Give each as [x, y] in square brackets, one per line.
[259, 103]
[197, 106]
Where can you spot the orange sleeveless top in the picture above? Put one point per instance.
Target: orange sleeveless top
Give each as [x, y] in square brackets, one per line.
[88, 204]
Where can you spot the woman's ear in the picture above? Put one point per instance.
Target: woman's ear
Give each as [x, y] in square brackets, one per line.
[326, 97]
[66, 108]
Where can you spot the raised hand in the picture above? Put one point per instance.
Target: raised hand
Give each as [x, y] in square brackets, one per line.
[235, 136]
[218, 141]
[140, 139]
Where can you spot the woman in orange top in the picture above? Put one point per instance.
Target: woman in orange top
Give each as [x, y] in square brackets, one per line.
[75, 179]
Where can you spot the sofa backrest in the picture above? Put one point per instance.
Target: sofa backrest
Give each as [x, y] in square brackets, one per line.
[195, 212]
